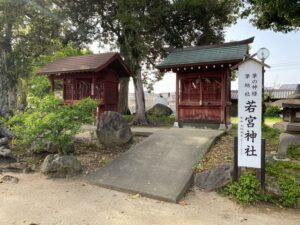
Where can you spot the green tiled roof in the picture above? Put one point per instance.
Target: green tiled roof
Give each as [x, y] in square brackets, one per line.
[232, 51]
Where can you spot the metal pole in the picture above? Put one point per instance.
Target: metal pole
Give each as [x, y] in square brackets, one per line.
[263, 95]
[235, 161]
[263, 165]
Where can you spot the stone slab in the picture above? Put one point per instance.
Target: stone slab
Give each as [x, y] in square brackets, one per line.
[160, 167]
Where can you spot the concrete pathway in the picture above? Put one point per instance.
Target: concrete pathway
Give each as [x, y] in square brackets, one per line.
[159, 167]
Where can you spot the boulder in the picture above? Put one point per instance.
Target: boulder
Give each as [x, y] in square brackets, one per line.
[113, 130]
[5, 132]
[9, 179]
[3, 141]
[215, 178]
[5, 152]
[286, 139]
[160, 110]
[274, 189]
[60, 165]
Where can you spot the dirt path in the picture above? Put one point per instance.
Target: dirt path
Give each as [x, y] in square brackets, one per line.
[37, 200]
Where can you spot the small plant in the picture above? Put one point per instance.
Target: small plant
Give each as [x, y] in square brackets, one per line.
[294, 151]
[290, 191]
[47, 121]
[286, 174]
[273, 111]
[246, 190]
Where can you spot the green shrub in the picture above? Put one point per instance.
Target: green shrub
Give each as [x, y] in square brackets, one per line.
[294, 151]
[47, 121]
[273, 111]
[290, 191]
[128, 118]
[246, 190]
[285, 173]
[270, 132]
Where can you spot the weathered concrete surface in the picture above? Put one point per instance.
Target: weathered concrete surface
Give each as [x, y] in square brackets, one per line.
[286, 139]
[159, 167]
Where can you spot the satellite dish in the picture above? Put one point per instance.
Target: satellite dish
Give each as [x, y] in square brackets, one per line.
[263, 53]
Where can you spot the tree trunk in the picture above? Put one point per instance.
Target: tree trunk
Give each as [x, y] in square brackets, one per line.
[8, 90]
[22, 93]
[123, 96]
[140, 114]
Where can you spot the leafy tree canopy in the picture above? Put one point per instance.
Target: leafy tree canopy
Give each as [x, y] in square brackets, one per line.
[142, 29]
[277, 15]
[39, 86]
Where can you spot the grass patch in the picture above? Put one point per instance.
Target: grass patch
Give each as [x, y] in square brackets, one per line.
[293, 151]
[268, 120]
[244, 191]
[279, 174]
[284, 174]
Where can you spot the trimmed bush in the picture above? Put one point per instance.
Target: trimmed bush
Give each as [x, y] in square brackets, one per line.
[47, 121]
[273, 111]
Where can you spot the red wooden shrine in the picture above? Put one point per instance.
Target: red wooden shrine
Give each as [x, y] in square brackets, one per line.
[203, 96]
[203, 81]
[95, 76]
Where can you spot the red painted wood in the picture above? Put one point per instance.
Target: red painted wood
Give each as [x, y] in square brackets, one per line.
[102, 86]
[202, 96]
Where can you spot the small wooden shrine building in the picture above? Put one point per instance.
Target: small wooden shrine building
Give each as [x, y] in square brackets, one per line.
[203, 81]
[95, 76]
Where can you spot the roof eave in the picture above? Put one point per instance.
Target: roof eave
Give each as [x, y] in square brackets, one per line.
[162, 67]
[64, 72]
[114, 57]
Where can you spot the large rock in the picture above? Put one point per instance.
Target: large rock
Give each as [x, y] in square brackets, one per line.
[160, 110]
[273, 188]
[9, 179]
[3, 141]
[215, 178]
[113, 129]
[285, 140]
[61, 165]
[5, 152]
[5, 132]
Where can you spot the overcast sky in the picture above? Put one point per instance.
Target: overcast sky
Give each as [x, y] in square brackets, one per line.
[284, 56]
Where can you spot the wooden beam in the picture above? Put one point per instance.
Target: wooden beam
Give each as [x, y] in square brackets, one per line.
[51, 79]
[93, 87]
[177, 96]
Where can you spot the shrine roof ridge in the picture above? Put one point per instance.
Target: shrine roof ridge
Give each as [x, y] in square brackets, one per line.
[82, 63]
[226, 44]
[218, 53]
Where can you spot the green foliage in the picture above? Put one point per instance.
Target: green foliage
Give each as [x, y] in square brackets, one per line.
[279, 15]
[290, 189]
[294, 151]
[39, 86]
[286, 174]
[246, 190]
[270, 132]
[143, 34]
[273, 111]
[47, 121]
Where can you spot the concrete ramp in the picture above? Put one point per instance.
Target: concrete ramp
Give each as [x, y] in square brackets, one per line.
[160, 167]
